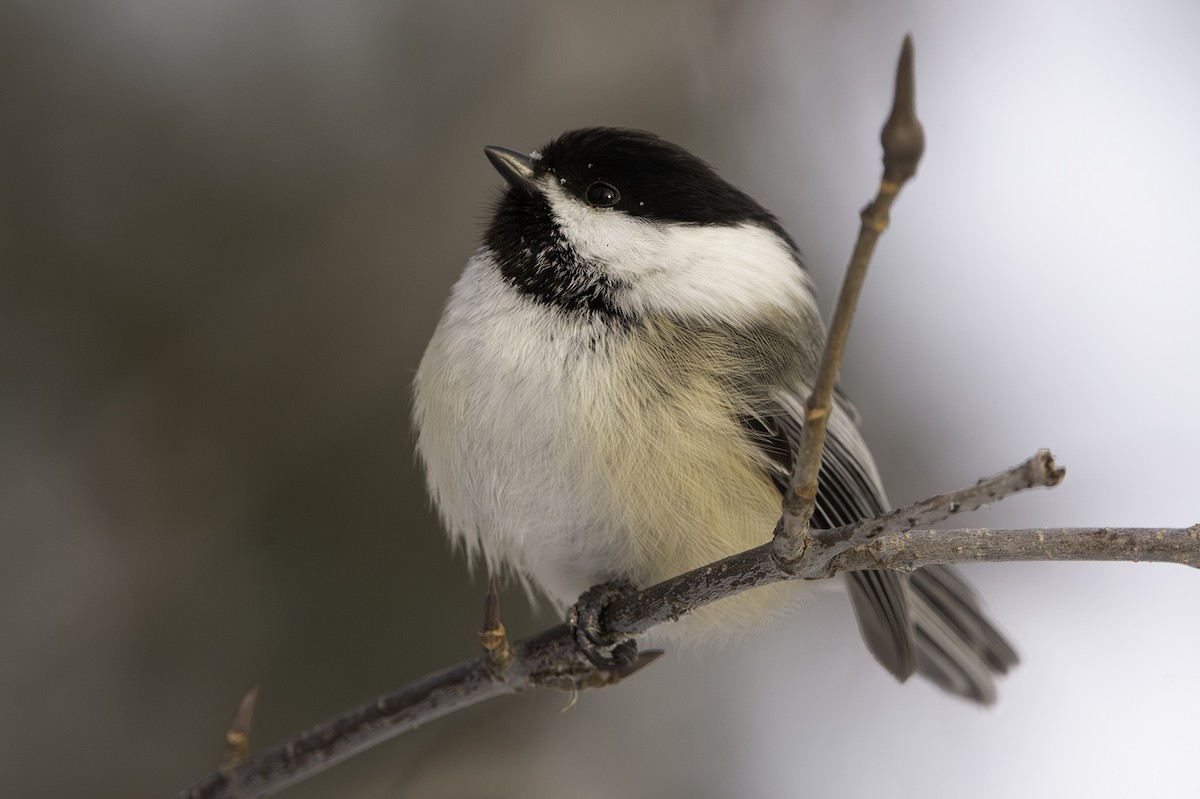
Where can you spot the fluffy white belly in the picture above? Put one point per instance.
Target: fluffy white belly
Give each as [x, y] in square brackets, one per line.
[495, 433]
[578, 458]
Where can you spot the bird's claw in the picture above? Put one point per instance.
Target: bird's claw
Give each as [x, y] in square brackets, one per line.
[593, 641]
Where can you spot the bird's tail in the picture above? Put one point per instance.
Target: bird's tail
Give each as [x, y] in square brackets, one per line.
[958, 648]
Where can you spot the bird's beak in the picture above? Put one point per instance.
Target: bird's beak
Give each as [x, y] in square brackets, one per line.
[517, 168]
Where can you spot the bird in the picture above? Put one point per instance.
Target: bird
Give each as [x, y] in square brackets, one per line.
[613, 395]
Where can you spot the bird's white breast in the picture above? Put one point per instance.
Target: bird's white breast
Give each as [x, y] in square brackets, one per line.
[502, 456]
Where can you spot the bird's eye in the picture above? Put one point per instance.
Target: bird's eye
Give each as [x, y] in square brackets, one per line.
[602, 195]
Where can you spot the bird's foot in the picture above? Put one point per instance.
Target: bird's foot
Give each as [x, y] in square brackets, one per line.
[605, 651]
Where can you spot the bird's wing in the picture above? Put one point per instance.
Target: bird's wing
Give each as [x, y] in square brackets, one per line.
[929, 621]
[849, 490]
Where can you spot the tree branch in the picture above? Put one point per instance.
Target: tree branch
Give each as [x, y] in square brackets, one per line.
[550, 659]
[669, 600]
[903, 142]
[913, 549]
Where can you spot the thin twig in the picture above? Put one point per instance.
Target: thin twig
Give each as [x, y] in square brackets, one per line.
[1040, 471]
[903, 143]
[916, 548]
[354, 731]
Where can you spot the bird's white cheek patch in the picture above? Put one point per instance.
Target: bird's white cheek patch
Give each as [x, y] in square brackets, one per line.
[622, 245]
[728, 270]
[706, 270]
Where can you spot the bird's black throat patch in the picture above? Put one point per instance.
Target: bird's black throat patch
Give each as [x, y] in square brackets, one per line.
[537, 260]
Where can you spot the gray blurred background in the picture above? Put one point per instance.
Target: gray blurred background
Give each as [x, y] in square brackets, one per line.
[227, 228]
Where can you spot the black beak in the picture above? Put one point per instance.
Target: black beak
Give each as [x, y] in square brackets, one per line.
[517, 168]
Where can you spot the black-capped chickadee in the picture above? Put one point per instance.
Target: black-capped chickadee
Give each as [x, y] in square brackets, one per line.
[615, 390]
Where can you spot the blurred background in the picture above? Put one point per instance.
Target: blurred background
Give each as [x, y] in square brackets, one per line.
[226, 229]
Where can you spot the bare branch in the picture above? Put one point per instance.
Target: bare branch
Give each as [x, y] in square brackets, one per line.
[669, 600]
[1040, 471]
[916, 548]
[550, 659]
[335, 740]
[903, 143]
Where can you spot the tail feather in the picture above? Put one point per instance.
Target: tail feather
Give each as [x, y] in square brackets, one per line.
[930, 620]
[881, 605]
[957, 647]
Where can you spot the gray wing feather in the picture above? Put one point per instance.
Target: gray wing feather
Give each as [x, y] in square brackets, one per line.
[850, 490]
[930, 621]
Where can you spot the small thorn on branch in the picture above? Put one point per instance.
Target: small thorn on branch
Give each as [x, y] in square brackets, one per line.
[237, 738]
[643, 659]
[493, 637]
[602, 678]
